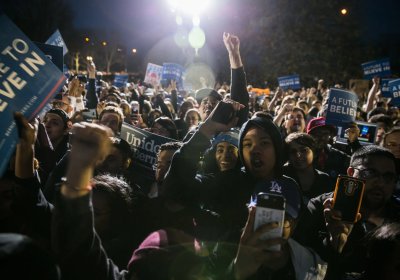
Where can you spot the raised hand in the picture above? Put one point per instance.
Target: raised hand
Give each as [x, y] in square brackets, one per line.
[232, 45]
[232, 42]
[27, 132]
[91, 68]
[211, 127]
[90, 146]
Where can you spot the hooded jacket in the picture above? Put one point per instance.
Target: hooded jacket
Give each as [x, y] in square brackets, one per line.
[228, 192]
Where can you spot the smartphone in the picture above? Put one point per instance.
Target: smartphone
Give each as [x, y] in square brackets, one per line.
[347, 197]
[270, 208]
[224, 113]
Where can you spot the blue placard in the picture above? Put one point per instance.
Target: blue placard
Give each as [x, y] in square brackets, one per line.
[342, 107]
[385, 90]
[54, 53]
[120, 80]
[145, 146]
[66, 71]
[28, 80]
[380, 68]
[173, 71]
[57, 40]
[289, 82]
[394, 87]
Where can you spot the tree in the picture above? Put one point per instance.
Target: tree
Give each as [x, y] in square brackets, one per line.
[307, 37]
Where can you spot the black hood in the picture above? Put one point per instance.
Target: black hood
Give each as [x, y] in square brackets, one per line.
[269, 127]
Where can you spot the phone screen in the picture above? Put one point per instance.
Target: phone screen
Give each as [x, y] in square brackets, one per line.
[270, 208]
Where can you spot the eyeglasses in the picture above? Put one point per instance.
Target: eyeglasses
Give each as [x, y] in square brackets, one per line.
[59, 104]
[392, 145]
[369, 173]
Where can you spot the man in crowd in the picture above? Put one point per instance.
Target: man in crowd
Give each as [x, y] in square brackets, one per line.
[341, 243]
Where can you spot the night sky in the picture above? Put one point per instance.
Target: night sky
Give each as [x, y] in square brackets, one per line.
[379, 17]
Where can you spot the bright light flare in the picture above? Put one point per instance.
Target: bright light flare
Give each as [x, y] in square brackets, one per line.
[343, 11]
[191, 7]
[196, 20]
[179, 20]
[197, 38]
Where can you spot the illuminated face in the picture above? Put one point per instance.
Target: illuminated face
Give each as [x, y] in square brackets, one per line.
[62, 104]
[210, 105]
[55, 127]
[379, 173]
[192, 119]
[226, 156]
[163, 162]
[111, 120]
[381, 129]
[392, 142]
[259, 153]
[295, 122]
[300, 156]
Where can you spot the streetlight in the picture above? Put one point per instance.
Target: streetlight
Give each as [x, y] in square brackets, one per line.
[104, 43]
[343, 11]
[134, 51]
[87, 39]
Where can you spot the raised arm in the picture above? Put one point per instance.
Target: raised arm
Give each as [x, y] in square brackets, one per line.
[75, 241]
[91, 96]
[372, 94]
[238, 77]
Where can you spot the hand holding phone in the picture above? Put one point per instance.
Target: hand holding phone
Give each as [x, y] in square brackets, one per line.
[270, 209]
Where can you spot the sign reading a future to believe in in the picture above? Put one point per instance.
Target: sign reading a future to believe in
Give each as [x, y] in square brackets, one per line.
[28, 79]
[342, 107]
[394, 87]
[289, 82]
[380, 68]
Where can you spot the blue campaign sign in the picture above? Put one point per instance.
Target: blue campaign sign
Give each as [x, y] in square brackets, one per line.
[120, 80]
[385, 88]
[394, 87]
[145, 146]
[57, 40]
[54, 53]
[380, 68]
[173, 71]
[342, 107]
[28, 80]
[289, 82]
[66, 71]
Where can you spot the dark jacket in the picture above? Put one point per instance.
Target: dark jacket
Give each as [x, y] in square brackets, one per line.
[322, 183]
[336, 162]
[314, 234]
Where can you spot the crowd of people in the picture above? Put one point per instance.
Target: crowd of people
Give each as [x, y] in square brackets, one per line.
[72, 205]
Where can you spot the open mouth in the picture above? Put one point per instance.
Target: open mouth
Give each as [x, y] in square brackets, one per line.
[256, 163]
